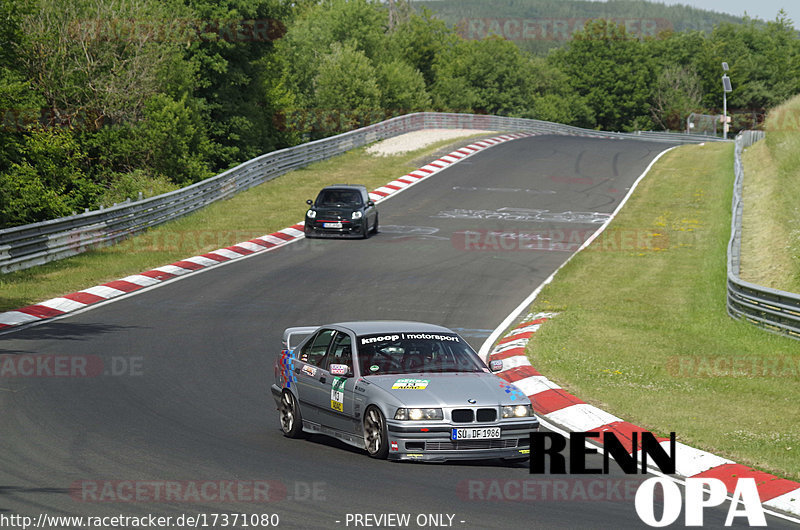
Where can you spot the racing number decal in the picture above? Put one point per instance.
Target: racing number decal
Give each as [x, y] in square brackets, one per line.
[337, 393]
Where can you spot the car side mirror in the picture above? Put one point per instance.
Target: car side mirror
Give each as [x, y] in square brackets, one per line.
[496, 365]
[309, 202]
[370, 203]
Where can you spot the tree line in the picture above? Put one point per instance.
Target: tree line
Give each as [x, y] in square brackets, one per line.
[102, 100]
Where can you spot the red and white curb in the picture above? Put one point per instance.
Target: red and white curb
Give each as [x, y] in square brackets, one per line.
[570, 413]
[68, 303]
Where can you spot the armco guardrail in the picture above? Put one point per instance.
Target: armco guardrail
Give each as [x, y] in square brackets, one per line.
[775, 310]
[26, 246]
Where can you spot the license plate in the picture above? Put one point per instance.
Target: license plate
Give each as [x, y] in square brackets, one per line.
[484, 433]
[331, 225]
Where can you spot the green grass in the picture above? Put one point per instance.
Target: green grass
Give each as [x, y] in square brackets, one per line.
[264, 209]
[642, 326]
[771, 212]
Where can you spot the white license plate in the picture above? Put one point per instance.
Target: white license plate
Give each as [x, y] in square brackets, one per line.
[483, 433]
[331, 225]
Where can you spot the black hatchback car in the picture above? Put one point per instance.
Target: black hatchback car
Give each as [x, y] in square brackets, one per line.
[342, 210]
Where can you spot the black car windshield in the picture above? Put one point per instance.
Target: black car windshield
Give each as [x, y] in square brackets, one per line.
[403, 353]
[334, 197]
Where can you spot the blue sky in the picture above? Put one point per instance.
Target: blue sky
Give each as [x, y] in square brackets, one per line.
[763, 9]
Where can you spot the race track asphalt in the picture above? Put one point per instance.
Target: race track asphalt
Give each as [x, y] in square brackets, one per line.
[192, 360]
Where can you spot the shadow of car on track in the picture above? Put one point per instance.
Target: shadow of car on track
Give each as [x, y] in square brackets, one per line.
[16, 490]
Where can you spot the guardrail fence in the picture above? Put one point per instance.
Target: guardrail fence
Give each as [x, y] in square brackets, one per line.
[775, 310]
[34, 244]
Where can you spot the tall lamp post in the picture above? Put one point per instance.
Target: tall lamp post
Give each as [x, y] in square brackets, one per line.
[726, 87]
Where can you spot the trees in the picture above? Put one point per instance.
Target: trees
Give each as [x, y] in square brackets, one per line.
[99, 58]
[346, 80]
[228, 60]
[402, 87]
[490, 76]
[48, 180]
[612, 72]
[676, 94]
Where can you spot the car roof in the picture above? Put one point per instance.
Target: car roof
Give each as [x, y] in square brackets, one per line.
[359, 187]
[369, 327]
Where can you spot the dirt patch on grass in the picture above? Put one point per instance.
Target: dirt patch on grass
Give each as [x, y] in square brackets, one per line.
[419, 139]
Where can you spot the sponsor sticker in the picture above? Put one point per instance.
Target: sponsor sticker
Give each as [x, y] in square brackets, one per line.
[376, 339]
[337, 393]
[410, 384]
[309, 370]
[339, 369]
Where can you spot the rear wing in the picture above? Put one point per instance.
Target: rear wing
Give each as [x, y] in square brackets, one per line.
[294, 336]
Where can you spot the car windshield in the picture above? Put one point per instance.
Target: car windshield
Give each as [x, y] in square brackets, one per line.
[335, 197]
[403, 353]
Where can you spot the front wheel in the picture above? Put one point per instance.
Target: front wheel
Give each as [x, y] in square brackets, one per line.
[375, 438]
[291, 420]
[375, 227]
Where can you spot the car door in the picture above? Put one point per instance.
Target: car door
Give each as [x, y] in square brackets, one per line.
[310, 375]
[337, 400]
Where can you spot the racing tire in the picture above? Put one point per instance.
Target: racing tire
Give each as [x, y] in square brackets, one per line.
[375, 227]
[376, 441]
[291, 420]
[365, 231]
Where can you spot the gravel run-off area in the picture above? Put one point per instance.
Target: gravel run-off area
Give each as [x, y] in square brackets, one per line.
[418, 139]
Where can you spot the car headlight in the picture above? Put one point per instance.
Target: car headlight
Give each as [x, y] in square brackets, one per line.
[517, 411]
[357, 214]
[418, 414]
[311, 214]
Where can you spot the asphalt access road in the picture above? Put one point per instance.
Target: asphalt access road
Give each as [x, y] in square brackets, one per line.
[193, 361]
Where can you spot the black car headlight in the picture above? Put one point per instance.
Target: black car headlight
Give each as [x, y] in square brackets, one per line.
[311, 214]
[517, 411]
[418, 414]
[357, 215]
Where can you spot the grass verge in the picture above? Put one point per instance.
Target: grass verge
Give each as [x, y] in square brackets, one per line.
[771, 214]
[264, 209]
[643, 332]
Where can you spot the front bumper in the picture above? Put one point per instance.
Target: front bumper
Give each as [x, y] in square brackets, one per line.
[349, 229]
[431, 442]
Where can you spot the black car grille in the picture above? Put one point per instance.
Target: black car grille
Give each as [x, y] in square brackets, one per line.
[487, 414]
[470, 444]
[469, 415]
[332, 214]
[463, 416]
